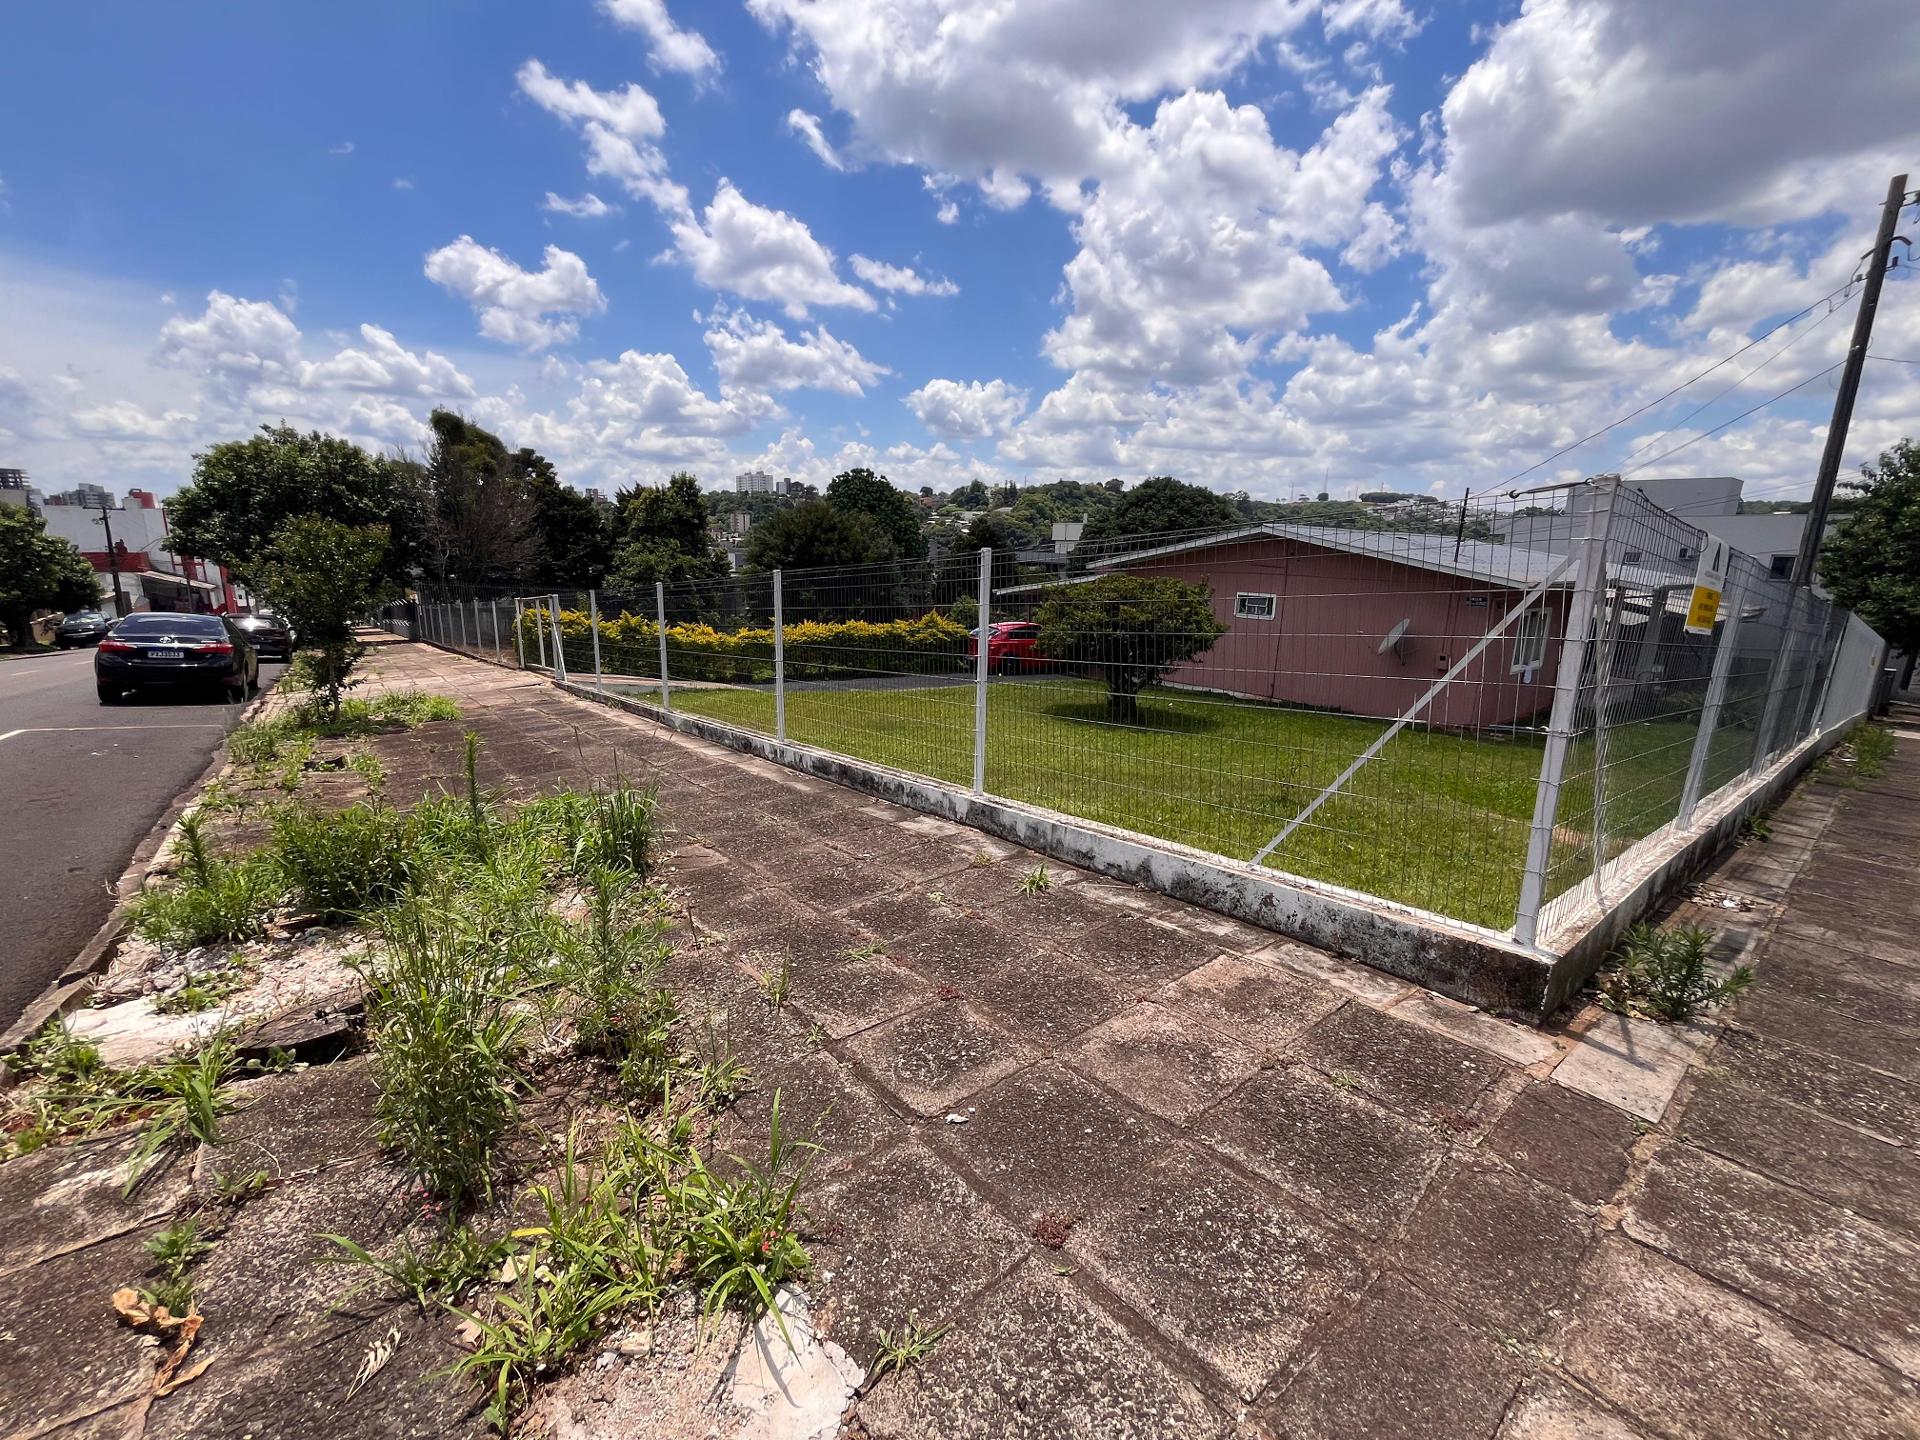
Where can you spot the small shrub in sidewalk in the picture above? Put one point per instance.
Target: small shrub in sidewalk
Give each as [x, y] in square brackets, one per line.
[1872, 747]
[212, 901]
[1666, 974]
[347, 864]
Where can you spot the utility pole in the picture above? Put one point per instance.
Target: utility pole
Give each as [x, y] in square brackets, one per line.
[1849, 383]
[113, 562]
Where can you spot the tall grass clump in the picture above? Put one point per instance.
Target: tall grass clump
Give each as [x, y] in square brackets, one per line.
[1666, 974]
[211, 901]
[1872, 747]
[346, 864]
[441, 986]
[609, 969]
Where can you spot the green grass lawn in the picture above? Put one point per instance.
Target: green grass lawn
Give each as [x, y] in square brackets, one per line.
[1435, 820]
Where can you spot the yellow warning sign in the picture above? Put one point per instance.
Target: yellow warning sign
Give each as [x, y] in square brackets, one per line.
[1702, 612]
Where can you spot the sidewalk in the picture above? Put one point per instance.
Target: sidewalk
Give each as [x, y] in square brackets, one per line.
[1165, 1174]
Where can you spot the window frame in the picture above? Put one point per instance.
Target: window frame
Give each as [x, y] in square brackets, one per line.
[1530, 639]
[1242, 596]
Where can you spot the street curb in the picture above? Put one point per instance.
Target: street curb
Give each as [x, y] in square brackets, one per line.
[75, 985]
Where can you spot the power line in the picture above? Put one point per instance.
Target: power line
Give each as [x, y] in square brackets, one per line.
[1707, 434]
[1663, 398]
[1708, 404]
[1893, 360]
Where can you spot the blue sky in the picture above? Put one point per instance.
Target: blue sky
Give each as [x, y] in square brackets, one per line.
[1253, 243]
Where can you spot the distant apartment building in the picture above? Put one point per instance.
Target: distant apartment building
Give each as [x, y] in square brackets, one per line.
[86, 494]
[16, 489]
[759, 482]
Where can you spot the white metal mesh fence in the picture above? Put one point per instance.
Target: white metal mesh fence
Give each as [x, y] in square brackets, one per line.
[1477, 712]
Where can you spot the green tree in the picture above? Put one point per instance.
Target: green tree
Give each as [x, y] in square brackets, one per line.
[243, 491]
[815, 544]
[575, 531]
[862, 492]
[481, 512]
[664, 538]
[1130, 630]
[322, 576]
[990, 531]
[1872, 563]
[38, 572]
[1156, 506]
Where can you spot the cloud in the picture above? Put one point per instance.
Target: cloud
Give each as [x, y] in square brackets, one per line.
[401, 182]
[1001, 95]
[513, 304]
[900, 278]
[967, 411]
[948, 213]
[232, 339]
[761, 254]
[345, 147]
[807, 127]
[1198, 246]
[756, 355]
[621, 129]
[382, 364]
[588, 207]
[669, 47]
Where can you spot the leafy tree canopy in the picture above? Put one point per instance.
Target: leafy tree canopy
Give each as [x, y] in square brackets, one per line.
[1158, 505]
[243, 491]
[816, 534]
[664, 538]
[1129, 630]
[38, 572]
[862, 492]
[1872, 563]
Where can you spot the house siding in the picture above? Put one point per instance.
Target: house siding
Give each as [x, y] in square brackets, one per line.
[1331, 611]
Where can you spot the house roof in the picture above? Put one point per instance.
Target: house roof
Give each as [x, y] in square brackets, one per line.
[1509, 565]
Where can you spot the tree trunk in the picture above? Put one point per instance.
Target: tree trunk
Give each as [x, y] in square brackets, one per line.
[1123, 699]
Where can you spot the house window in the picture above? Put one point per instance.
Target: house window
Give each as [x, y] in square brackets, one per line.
[1632, 557]
[1781, 566]
[1253, 607]
[1530, 640]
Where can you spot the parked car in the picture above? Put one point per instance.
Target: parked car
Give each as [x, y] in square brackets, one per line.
[1012, 646]
[82, 627]
[272, 637]
[159, 648]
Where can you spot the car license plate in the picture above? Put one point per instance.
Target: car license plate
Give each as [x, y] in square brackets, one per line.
[166, 654]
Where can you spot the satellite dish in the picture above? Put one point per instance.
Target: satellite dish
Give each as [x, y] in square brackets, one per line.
[1394, 637]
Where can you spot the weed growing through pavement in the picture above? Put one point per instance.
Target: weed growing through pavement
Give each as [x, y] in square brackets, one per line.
[1035, 881]
[900, 1352]
[175, 1251]
[873, 950]
[1872, 747]
[211, 901]
[238, 1188]
[1665, 974]
[458, 1260]
[779, 982]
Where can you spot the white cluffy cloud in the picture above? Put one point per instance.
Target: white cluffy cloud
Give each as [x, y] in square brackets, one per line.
[967, 411]
[807, 127]
[621, 128]
[514, 305]
[757, 355]
[588, 207]
[669, 47]
[761, 254]
[900, 278]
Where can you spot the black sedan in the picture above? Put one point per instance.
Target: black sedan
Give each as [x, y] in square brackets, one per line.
[272, 637]
[82, 627]
[156, 648]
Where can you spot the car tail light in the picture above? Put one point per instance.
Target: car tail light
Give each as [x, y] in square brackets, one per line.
[116, 647]
[216, 647]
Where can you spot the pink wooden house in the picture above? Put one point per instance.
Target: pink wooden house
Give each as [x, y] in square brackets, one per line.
[1364, 621]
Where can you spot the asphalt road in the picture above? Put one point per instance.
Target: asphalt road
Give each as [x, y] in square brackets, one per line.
[80, 784]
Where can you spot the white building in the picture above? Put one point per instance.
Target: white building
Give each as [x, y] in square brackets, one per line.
[759, 482]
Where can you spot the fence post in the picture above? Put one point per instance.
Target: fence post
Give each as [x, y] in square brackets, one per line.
[493, 608]
[779, 660]
[461, 611]
[1809, 713]
[1590, 583]
[1723, 659]
[476, 627]
[981, 648]
[519, 633]
[1777, 682]
[593, 624]
[660, 625]
[559, 650]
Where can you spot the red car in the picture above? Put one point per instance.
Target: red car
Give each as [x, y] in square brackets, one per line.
[1012, 646]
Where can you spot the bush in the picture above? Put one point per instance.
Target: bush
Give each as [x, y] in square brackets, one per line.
[213, 902]
[345, 865]
[1664, 974]
[931, 644]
